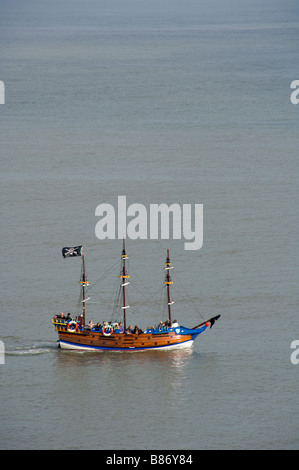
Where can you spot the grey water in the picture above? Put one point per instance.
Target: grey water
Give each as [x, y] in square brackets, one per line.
[165, 101]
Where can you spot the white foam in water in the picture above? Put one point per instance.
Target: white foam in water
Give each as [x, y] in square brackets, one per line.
[30, 350]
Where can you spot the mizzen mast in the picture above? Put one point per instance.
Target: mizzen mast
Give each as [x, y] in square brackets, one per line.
[168, 282]
[124, 278]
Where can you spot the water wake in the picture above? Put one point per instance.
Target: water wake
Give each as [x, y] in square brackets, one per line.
[31, 350]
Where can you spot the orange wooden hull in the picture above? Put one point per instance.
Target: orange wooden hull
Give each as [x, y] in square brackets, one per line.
[95, 341]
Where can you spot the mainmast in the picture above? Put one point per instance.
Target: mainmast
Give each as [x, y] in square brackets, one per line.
[124, 276]
[83, 283]
[83, 290]
[168, 282]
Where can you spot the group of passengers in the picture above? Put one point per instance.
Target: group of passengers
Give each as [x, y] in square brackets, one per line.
[64, 318]
[118, 327]
[167, 324]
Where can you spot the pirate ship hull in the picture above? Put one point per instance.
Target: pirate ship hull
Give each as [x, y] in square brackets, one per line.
[88, 340]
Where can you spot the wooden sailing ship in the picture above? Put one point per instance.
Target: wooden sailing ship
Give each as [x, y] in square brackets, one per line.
[75, 334]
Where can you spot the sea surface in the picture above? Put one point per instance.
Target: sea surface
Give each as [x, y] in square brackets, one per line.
[163, 101]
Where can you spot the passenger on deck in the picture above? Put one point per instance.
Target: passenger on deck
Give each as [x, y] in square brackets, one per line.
[175, 324]
[68, 317]
[129, 330]
[121, 328]
[60, 317]
[137, 330]
[90, 325]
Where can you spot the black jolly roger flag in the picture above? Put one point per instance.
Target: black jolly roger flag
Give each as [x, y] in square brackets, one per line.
[68, 252]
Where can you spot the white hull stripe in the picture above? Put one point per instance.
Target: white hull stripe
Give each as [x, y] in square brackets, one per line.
[80, 347]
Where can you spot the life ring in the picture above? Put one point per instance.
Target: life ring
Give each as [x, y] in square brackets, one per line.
[69, 326]
[109, 332]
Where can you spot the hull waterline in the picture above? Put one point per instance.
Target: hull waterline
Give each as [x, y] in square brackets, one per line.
[78, 347]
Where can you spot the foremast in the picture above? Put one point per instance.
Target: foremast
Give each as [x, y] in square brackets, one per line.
[74, 252]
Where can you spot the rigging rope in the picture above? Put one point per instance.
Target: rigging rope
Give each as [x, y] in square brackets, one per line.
[188, 296]
[103, 276]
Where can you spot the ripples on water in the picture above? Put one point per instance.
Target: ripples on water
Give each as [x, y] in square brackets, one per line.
[162, 101]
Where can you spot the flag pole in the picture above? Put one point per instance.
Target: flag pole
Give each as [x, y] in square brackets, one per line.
[83, 291]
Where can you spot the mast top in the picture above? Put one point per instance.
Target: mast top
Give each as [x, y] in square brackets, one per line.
[124, 254]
